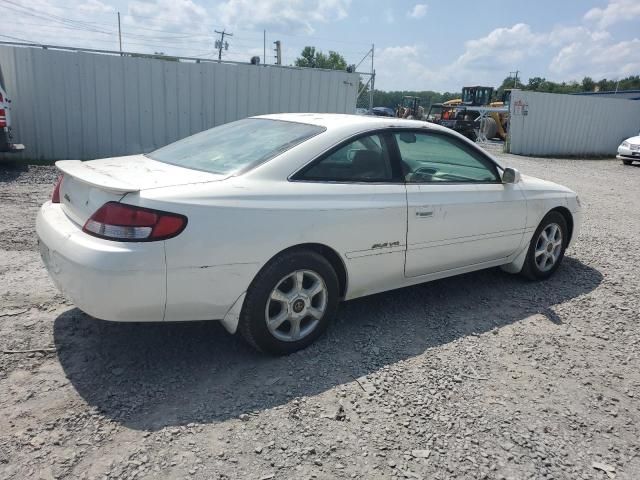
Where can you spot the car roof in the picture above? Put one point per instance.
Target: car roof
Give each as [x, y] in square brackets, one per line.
[342, 121]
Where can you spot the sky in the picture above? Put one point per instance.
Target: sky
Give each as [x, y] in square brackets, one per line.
[424, 45]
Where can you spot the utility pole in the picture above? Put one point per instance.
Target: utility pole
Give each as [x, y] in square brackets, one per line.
[119, 34]
[278, 51]
[220, 44]
[264, 47]
[515, 78]
[373, 78]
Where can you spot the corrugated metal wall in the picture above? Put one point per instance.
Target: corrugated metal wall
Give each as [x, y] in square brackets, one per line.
[553, 124]
[77, 105]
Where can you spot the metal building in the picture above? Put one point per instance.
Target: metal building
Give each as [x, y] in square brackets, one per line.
[550, 124]
[627, 94]
[82, 105]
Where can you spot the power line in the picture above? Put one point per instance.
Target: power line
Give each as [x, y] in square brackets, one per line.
[16, 38]
[50, 17]
[257, 34]
[172, 39]
[149, 38]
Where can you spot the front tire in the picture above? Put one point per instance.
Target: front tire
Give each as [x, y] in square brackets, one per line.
[547, 247]
[627, 162]
[290, 303]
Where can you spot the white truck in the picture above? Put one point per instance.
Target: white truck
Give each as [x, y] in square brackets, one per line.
[6, 145]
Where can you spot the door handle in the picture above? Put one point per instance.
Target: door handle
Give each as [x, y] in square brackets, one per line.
[424, 213]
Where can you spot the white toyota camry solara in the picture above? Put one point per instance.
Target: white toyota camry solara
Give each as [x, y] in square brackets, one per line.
[267, 223]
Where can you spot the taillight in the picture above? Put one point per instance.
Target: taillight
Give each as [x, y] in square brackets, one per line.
[55, 196]
[3, 118]
[128, 223]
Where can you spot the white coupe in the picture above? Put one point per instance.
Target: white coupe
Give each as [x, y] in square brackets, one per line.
[267, 223]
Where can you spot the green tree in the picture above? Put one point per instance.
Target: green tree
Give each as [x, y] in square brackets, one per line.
[427, 97]
[536, 83]
[588, 84]
[630, 83]
[312, 58]
[508, 82]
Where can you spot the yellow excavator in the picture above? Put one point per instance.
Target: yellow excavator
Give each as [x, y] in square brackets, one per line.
[474, 98]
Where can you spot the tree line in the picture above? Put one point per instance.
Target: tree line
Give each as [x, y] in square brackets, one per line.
[310, 57]
[540, 84]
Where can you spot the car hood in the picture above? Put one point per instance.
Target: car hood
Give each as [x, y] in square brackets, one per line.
[635, 140]
[533, 183]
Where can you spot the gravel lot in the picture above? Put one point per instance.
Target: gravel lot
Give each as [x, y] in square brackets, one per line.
[485, 375]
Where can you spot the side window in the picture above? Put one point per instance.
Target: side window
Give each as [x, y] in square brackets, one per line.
[429, 158]
[363, 160]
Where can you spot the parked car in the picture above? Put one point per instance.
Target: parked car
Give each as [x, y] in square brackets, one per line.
[6, 134]
[383, 111]
[268, 222]
[629, 150]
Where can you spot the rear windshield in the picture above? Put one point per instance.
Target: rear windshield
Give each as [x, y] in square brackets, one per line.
[236, 146]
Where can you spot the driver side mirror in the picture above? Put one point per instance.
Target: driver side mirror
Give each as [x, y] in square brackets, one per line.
[510, 175]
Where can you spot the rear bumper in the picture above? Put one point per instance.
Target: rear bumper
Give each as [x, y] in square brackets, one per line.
[108, 280]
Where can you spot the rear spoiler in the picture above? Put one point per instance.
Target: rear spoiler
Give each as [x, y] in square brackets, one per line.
[86, 174]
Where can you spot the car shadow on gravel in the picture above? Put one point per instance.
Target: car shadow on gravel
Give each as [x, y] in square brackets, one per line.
[148, 376]
[11, 170]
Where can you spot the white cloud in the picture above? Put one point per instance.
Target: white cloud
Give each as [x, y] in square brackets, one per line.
[20, 23]
[574, 52]
[561, 36]
[403, 68]
[597, 60]
[562, 52]
[502, 47]
[96, 6]
[166, 13]
[419, 10]
[616, 11]
[299, 15]
[389, 16]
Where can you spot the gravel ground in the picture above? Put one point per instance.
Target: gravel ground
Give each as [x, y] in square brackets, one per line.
[484, 375]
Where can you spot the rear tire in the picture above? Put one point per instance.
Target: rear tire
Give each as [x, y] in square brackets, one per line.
[547, 247]
[490, 128]
[471, 135]
[627, 162]
[4, 141]
[290, 303]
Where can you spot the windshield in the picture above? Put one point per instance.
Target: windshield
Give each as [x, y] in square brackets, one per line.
[236, 146]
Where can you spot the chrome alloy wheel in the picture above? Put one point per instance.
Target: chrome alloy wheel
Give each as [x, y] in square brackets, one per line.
[548, 247]
[296, 305]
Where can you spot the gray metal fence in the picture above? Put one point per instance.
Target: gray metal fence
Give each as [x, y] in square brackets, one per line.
[80, 105]
[552, 124]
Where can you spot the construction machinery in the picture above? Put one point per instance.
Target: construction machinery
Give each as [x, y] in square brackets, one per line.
[491, 118]
[473, 97]
[6, 145]
[454, 117]
[410, 108]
